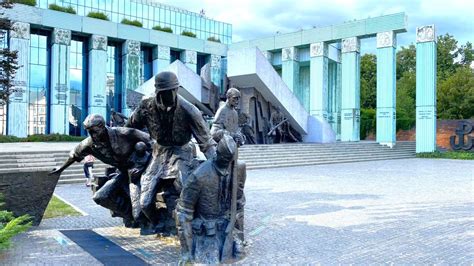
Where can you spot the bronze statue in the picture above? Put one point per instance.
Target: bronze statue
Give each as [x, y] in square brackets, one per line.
[280, 128]
[117, 119]
[246, 128]
[171, 122]
[204, 211]
[227, 118]
[113, 146]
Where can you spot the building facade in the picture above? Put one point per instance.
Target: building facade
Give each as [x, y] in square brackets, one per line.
[77, 65]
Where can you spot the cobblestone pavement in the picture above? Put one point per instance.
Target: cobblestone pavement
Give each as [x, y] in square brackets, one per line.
[402, 211]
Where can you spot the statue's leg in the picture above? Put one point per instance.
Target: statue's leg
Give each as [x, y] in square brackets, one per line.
[113, 197]
[149, 187]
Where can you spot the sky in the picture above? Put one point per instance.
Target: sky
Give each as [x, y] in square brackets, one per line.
[253, 19]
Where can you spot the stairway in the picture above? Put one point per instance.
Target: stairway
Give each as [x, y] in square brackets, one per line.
[255, 156]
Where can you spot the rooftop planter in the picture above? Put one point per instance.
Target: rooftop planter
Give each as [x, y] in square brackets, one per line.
[165, 29]
[25, 2]
[59, 8]
[213, 39]
[188, 33]
[98, 15]
[135, 23]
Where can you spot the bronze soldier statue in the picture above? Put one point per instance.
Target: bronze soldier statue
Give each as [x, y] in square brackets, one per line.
[171, 122]
[117, 119]
[227, 118]
[113, 146]
[280, 128]
[203, 212]
[226, 122]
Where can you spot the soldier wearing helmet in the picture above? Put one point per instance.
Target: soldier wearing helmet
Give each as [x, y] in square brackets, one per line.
[172, 122]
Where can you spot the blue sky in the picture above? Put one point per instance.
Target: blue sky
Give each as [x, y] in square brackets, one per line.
[261, 18]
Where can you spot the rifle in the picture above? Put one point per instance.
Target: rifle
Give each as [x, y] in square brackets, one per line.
[276, 126]
[228, 247]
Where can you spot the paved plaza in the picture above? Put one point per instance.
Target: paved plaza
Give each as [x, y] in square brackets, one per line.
[401, 211]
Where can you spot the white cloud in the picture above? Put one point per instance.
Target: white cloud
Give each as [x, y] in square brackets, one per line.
[257, 19]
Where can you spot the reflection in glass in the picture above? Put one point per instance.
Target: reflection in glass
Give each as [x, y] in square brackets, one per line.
[77, 111]
[38, 86]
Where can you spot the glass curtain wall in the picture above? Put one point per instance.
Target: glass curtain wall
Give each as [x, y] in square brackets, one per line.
[38, 86]
[78, 94]
[114, 78]
[150, 14]
[146, 63]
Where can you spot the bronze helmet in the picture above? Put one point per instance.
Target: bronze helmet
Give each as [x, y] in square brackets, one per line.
[166, 81]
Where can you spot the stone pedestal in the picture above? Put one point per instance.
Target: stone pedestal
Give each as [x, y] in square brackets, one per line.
[350, 109]
[425, 89]
[97, 78]
[386, 89]
[17, 120]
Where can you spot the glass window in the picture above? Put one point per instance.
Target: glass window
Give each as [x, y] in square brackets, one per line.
[77, 107]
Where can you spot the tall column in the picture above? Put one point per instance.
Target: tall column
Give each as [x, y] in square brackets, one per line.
[334, 95]
[319, 72]
[59, 100]
[161, 58]
[386, 88]
[350, 107]
[189, 58]
[17, 115]
[130, 73]
[425, 89]
[290, 68]
[97, 78]
[216, 70]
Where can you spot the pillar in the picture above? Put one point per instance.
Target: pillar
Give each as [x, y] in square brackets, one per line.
[319, 73]
[290, 68]
[350, 105]
[97, 78]
[161, 58]
[17, 115]
[189, 58]
[334, 95]
[386, 89]
[130, 74]
[268, 55]
[59, 88]
[216, 70]
[425, 89]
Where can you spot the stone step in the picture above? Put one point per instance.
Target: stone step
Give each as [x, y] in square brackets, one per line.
[305, 163]
[259, 157]
[304, 152]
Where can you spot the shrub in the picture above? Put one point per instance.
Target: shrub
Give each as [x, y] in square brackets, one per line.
[188, 33]
[98, 15]
[11, 226]
[68, 9]
[165, 29]
[213, 39]
[367, 122]
[42, 138]
[135, 23]
[460, 155]
[25, 2]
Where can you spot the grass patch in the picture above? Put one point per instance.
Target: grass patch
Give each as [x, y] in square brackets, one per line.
[58, 208]
[165, 29]
[41, 138]
[459, 155]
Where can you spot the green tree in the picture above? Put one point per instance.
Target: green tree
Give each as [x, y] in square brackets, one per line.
[406, 60]
[406, 90]
[456, 95]
[368, 81]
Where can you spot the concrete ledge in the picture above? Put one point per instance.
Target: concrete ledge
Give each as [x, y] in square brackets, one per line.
[99, 27]
[62, 20]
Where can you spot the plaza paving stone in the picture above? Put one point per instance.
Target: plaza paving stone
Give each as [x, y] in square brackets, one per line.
[414, 211]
